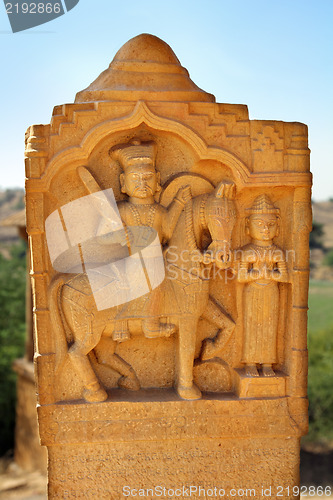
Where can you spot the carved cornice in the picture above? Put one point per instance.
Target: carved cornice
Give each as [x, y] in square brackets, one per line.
[142, 114]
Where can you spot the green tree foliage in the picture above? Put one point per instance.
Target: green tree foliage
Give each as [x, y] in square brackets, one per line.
[320, 344]
[320, 385]
[328, 260]
[316, 235]
[20, 204]
[8, 195]
[12, 334]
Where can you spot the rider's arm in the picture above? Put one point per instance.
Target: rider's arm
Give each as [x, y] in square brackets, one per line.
[172, 213]
[170, 218]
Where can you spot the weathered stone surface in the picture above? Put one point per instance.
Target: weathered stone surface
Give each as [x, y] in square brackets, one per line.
[209, 214]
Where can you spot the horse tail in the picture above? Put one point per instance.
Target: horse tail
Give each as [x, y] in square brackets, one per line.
[57, 322]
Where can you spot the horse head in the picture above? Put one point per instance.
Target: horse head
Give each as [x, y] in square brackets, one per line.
[220, 217]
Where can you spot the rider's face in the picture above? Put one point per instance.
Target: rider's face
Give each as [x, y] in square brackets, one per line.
[140, 181]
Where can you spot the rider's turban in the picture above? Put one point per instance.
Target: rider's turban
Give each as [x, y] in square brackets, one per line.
[135, 153]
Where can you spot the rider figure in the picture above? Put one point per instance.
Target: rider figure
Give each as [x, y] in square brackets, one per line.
[140, 182]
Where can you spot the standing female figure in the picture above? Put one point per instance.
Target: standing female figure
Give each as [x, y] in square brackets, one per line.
[262, 266]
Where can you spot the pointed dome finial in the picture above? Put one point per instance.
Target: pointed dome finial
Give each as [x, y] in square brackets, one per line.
[144, 68]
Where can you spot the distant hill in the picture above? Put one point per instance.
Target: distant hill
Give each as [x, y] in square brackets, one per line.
[323, 213]
[11, 201]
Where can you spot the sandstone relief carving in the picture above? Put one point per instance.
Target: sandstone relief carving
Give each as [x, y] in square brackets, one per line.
[121, 258]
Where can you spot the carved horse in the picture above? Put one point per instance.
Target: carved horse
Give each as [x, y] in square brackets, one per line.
[203, 232]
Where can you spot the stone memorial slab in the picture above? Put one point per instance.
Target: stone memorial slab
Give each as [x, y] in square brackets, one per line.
[170, 265]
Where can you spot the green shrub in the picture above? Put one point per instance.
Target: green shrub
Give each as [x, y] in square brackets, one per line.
[316, 235]
[320, 385]
[320, 344]
[20, 204]
[9, 195]
[328, 260]
[12, 335]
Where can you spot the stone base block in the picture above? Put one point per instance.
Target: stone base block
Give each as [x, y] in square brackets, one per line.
[234, 468]
[139, 448]
[259, 387]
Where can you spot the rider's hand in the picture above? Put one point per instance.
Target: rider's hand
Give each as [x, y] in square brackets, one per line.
[225, 189]
[184, 194]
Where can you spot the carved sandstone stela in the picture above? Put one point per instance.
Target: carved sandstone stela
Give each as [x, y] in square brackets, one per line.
[159, 272]
[169, 250]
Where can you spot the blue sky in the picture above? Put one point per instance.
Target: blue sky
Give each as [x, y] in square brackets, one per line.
[274, 56]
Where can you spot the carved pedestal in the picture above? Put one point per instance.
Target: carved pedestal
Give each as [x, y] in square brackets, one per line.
[169, 244]
[259, 387]
[154, 441]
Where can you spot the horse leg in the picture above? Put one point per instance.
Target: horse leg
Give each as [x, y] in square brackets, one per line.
[105, 355]
[218, 317]
[151, 326]
[93, 392]
[186, 350]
